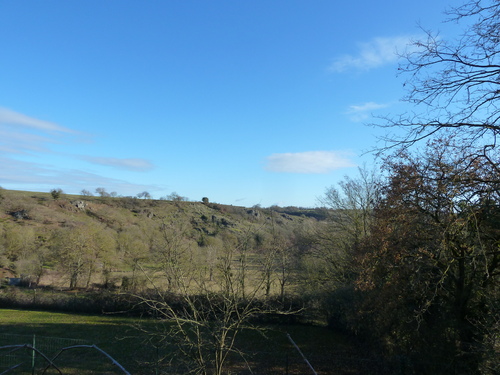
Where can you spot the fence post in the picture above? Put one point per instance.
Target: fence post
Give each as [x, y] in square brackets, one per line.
[33, 354]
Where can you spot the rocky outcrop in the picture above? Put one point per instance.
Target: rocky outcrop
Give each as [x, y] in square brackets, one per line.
[80, 204]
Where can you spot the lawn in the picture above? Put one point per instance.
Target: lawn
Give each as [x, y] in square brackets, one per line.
[272, 353]
[52, 331]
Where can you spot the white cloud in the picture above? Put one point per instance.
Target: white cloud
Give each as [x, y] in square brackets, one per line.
[377, 52]
[10, 117]
[21, 134]
[363, 111]
[22, 175]
[132, 164]
[308, 162]
[28, 136]
[18, 142]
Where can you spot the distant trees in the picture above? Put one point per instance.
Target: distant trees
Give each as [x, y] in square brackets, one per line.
[172, 250]
[134, 247]
[86, 193]
[32, 265]
[19, 242]
[278, 258]
[176, 197]
[82, 250]
[144, 195]
[102, 192]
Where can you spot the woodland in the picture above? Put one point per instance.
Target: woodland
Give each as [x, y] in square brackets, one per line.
[404, 257]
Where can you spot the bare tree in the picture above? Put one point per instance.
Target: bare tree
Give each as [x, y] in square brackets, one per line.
[207, 311]
[351, 204]
[278, 260]
[102, 192]
[453, 84]
[173, 252]
[86, 193]
[144, 195]
[82, 250]
[134, 244]
[176, 197]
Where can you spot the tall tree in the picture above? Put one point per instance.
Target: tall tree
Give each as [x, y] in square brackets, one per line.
[350, 208]
[432, 262]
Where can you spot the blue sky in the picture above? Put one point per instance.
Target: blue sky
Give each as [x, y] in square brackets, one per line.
[243, 102]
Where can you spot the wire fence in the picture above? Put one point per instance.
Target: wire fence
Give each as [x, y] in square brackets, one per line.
[33, 354]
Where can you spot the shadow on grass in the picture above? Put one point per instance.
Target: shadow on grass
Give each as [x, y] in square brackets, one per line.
[266, 351]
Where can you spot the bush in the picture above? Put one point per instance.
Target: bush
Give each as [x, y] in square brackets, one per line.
[56, 193]
[96, 302]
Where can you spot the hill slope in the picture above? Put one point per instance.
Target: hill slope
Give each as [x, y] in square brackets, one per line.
[88, 239]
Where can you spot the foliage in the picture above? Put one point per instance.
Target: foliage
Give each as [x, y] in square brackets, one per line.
[431, 264]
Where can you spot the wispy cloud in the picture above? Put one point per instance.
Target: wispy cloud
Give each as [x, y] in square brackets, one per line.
[22, 134]
[18, 142]
[37, 177]
[373, 54]
[33, 139]
[362, 112]
[10, 117]
[313, 162]
[132, 164]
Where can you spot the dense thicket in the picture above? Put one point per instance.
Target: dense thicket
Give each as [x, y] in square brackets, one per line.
[429, 270]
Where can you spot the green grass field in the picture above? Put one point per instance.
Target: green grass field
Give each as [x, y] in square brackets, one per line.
[114, 335]
[271, 353]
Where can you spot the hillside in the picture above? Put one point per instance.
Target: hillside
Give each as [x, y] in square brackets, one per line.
[87, 240]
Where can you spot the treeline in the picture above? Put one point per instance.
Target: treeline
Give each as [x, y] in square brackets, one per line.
[414, 261]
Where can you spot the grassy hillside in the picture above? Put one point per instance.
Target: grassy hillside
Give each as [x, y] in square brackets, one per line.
[114, 237]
